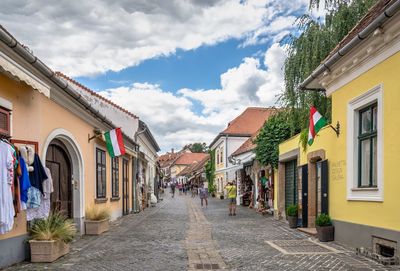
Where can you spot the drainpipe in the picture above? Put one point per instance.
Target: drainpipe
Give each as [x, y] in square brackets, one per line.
[134, 191]
[326, 65]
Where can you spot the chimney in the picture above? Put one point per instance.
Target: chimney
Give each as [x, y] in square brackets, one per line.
[172, 150]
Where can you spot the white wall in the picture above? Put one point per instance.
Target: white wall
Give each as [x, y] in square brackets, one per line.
[128, 124]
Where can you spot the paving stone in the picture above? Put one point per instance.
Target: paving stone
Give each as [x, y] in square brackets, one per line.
[178, 234]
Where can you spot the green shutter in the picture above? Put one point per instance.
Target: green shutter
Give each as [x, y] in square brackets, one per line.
[290, 183]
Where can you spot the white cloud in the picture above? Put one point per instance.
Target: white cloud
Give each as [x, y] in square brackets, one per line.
[171, 116]
[91, 37]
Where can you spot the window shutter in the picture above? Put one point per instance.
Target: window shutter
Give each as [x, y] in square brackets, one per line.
[4, 122]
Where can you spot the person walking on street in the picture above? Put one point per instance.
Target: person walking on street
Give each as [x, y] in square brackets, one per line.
[204, 195]
[231, 191]
[173, 189]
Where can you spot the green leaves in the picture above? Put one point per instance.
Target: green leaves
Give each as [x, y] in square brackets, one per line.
[210, 171]
[55, 227]
[274, 131]
[306, 50]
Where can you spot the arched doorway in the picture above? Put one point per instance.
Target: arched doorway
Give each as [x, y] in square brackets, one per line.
[61, 140]
[59, 162]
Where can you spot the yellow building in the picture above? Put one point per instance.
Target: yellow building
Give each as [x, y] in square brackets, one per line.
[39, 109]
[353, 176]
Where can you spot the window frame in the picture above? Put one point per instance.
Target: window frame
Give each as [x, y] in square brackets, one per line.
[115, 177]
[354, 106]
[7, 112]
[103, 174]
[370, 135]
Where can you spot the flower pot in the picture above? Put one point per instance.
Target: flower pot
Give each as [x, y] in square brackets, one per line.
[292, 221]
[47, 251]
[93, 227]
[221, 197]
[326, 233]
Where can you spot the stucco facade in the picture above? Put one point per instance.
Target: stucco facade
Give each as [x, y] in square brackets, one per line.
[360, 214]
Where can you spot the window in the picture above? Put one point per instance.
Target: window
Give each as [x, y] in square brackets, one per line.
[364, 163]
[367, 147]
[4, 122]
[115, 177]
[217, 157]
[100, 173]
[222, 155]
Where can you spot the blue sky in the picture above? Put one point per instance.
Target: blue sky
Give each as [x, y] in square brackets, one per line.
[199, 68]
[186, 68]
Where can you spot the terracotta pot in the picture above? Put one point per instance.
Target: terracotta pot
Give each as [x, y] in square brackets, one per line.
[93, 227]
[47, 251]
[292, 221]
[326, 233]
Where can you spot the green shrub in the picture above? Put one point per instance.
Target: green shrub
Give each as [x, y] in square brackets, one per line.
[95, 213]
[291, 210]
[56, 227]
[323, 220]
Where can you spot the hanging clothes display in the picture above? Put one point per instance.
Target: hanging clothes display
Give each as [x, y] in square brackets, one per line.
[24, 183]
[44, 209]
[7, 211]
[38, 175]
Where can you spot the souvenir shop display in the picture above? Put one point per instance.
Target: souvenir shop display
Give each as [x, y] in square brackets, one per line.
[25, 185]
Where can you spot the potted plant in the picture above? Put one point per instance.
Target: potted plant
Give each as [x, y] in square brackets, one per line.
[291, 213]
[97, 220]
[50, 237]
[325, 229]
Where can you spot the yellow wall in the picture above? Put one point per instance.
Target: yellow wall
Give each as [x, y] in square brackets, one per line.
[378, 214]
[34, 117]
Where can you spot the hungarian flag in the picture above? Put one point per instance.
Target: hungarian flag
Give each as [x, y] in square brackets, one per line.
[316, 123]
[115, 143]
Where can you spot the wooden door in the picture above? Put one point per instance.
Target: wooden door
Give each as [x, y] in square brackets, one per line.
[324, 187]
[304, 195]
[290, 183]
[59, 163]
[125, 187]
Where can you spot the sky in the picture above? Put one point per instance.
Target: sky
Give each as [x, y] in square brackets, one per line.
[185, 67]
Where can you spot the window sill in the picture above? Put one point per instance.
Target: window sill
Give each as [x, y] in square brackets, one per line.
[365, 189]
[115, 198]
[100, 200]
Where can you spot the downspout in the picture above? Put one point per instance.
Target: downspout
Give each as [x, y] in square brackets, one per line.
[326, 65]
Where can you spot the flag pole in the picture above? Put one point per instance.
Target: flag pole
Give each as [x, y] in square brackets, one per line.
[336, 129]
[97, 134]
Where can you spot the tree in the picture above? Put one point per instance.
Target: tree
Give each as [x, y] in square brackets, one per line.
[210, 172]
[274, 131]
[307, 50]
[198, 147]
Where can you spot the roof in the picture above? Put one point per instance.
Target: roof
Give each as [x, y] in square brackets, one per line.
[195, 166]
[48, 73]
[372, 14]
[375, 18]
[248, 145]
[94, 93]
[188, 158]
[248, 123]
[201, 164]
[146, 129]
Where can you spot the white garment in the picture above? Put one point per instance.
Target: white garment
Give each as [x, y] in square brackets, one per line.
[6, 179]
[44, 209]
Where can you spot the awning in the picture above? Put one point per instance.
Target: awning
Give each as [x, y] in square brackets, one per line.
[17, 71]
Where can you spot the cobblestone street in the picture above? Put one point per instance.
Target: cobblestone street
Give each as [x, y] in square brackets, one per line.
[179, 234]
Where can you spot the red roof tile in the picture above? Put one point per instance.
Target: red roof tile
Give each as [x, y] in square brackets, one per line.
[371, 15]
[94, 93]
[250, 121]
[248, 145]
[188, 158]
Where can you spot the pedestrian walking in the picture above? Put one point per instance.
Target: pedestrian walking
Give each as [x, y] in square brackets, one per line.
[203, 195]
[173, 189]
[231, 191]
